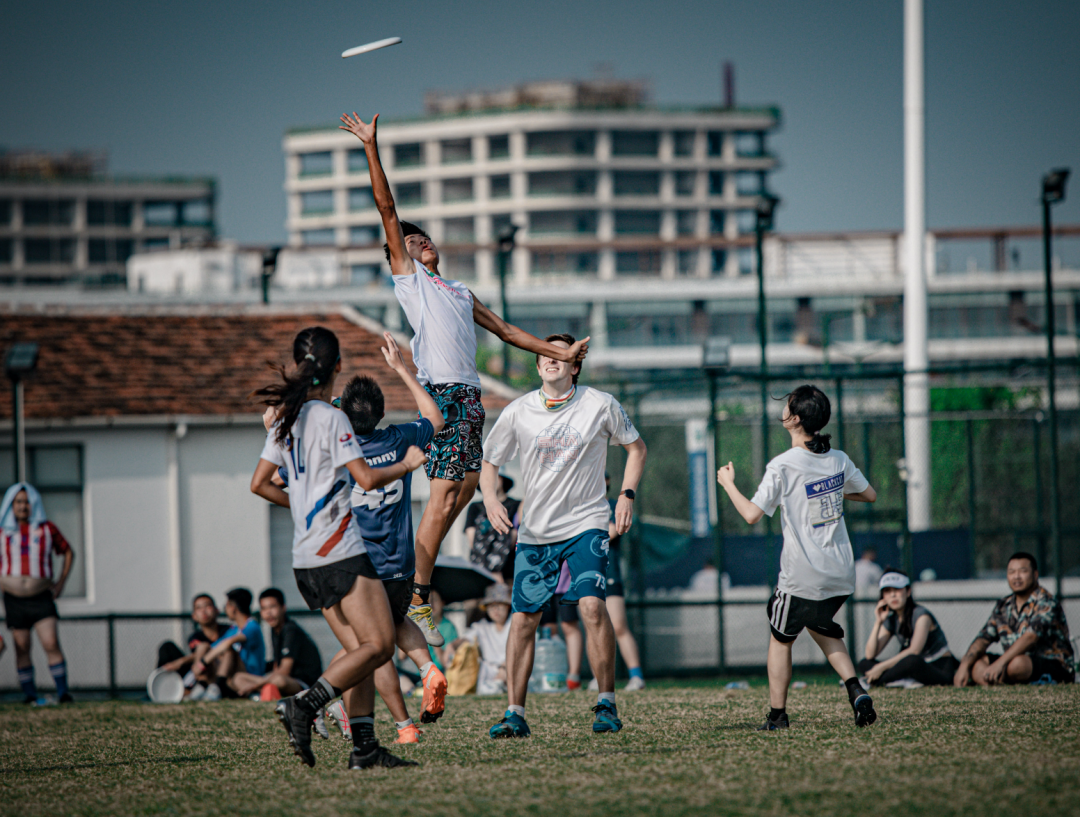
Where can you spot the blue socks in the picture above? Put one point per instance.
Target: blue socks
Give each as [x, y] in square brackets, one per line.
[59, 674]
[637, 673]
[26, 681]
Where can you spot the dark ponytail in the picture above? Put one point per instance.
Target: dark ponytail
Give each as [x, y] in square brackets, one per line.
[905, 627]
[813, 409]
[316, 353]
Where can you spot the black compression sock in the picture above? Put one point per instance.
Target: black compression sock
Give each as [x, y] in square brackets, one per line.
[322, 693]
[774, 713]
[422, 590]
[363, 734]
[854, 688]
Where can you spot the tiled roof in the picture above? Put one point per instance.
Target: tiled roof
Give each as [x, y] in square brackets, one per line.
[118, 362]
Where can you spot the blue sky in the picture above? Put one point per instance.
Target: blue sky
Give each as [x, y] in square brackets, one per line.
[211, 87]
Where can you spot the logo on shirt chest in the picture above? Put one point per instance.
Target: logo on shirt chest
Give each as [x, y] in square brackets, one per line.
[558, 446]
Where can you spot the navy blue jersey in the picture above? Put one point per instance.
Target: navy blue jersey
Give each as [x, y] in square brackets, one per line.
[385, 514]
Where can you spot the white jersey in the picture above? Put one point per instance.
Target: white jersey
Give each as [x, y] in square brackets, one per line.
[816, 562]
[563, 456]
[324, 528]
[441, 315]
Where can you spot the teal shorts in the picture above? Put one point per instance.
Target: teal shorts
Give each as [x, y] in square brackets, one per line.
[537, 568]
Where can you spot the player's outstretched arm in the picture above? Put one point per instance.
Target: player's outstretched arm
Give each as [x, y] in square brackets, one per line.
[747, 509]
[424, 402]
[635, 467]
[489, 487]
[515, 336]
[400, 262]
[370, 478]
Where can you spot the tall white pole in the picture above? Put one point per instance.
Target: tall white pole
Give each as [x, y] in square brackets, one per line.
[916, 356]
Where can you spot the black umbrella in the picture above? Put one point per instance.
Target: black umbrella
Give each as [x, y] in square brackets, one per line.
[458, 579]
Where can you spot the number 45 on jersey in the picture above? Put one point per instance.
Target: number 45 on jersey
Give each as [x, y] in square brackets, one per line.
[378, 497]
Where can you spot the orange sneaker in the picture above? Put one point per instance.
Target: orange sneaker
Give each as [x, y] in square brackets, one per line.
[410, 734]
[573, 686]
[434, 695]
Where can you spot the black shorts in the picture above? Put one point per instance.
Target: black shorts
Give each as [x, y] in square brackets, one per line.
[1048, 666]
[789, 614]
[399, 592]
[23, 612]
[614, 574]
[323, 587]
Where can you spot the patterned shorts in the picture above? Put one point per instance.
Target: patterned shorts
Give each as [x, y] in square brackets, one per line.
[458, 448]
[537, 569]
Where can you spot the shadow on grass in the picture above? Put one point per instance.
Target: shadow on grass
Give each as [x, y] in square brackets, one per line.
[68, 767]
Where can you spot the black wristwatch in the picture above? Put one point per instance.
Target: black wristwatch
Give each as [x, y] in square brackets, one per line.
[628, 493]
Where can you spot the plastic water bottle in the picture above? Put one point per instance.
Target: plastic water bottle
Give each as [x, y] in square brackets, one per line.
[549, 664]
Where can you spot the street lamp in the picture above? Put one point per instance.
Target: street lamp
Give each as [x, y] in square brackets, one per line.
[269, 267]
[1053, 191]
[715, 360]
[506, 246]
[763, 221]
[21, 359]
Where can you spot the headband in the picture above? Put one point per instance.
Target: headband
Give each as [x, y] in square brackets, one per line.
[897, 580]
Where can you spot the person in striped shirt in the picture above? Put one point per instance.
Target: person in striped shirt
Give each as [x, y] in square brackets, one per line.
[28, 542]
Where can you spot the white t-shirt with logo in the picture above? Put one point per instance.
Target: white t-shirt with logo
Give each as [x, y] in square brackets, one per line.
[324, 528]
[816, 562]
[441, 315]
[563, 456]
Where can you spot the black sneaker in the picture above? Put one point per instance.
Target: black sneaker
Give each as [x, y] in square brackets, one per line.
[66, 698]
[297, 725]
[378, 757]
[770, 725]
[864, 710]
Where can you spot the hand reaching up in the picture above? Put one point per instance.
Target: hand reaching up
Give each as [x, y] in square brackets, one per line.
[355, 125]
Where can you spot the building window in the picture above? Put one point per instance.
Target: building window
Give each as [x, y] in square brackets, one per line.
[5, 211]
[684, 142]
[500, 187]
[638, 262]
[687, 262]
[360, 198]
[317, 202]
[498, 147]
[750, 183]
[750, 144]
[361, 236]
[637, 222]
[460, 265]
[636, 183]
[634, 143]
[109, 251]
[542, 320]
[561, 143]
[716, 183]
[884, 319]
[57, 473]
[747, 221]
[49, 250]
[685, 181]
[362, 275]
[563, 183]
[107, 212]
[564, 263]
[747, 261]
[716, 222]
[459, 231]
[161, 214]
[719, 261]
[410, 195]
[48, 211]
[686, 222]
[408, 155]
[663, 323]
[316, 164]
[357, 160]
[317, 238]
[457, 190]
[562, 222]
[7, 250]
[733, 319]
[455, 151]
[196, 213]
[716, 142]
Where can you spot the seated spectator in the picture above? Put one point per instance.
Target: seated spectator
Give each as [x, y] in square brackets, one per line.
[924, 658]
[867, 573]
[489, 637]
[204, 613]
[488, 548]
[297, 663]
[706, 580]
[1030, 624]
[241, 649]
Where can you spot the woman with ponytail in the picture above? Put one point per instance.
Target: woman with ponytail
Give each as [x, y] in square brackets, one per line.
[334, 573]
[810, 481]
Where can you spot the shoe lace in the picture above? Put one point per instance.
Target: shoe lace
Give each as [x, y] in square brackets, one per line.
[606, 707]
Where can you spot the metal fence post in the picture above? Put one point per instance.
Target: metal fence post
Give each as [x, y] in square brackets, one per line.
[972, 542]
[906, 556]
[718, 530]
[110, 622]
[1040, 519]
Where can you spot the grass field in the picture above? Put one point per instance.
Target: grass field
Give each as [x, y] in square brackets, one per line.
[684, 750]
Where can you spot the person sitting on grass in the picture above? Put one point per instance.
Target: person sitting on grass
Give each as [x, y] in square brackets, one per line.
[241, 648]
[297, 664]
[1030, 624]
[489, 636]
[204, 613]
[924, 658]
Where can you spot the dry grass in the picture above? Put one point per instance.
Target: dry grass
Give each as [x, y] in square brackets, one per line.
[683, 751]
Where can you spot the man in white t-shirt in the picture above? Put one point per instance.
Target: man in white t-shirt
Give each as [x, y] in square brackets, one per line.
[443, 314]
[561, 433]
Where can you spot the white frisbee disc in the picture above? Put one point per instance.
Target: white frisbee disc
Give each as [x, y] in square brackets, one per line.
[363, 49]
[165, 687]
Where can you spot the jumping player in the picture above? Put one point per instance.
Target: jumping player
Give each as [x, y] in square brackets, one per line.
[333, 570]
[443, 315]
[810, 482]
[561, 433]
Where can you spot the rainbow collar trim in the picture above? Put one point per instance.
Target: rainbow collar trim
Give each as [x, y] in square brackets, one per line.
[556, 403]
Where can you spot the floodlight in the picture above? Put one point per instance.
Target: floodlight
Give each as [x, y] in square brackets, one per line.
[506, 237]
[21, 359]
[766, 206]
[716, 354]
[1053, 185]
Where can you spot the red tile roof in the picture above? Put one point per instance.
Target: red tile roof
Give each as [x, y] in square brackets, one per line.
[123, 362]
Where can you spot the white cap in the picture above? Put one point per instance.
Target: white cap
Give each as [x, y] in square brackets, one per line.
[892, 579]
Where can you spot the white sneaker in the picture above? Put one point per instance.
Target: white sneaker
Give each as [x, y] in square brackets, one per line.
[593, 686]
[421, 617]
[634, 684]
[197, 693]
[320, 727]
[336, 713]
[904, 683]
[213, 693]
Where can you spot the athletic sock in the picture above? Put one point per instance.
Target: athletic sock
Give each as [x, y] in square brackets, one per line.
[363, 734]
[403, 724]
[59, 674]
[424, 670]
[514, 709]
[316, 698]
[854, 688]
[26, 681]
[575, 677]
[774, 713]
[637, 673]
[606, 697]
[421, 593]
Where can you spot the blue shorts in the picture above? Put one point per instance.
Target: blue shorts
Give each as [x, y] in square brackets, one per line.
[537, 567]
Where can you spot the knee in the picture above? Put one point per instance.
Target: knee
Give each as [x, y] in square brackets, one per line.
[1019, 668]
[592, 611]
